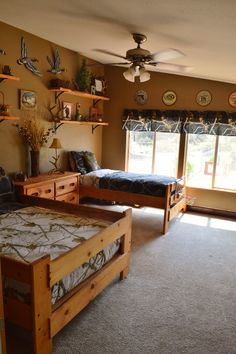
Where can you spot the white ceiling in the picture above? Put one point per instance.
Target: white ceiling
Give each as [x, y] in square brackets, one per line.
[203, 30]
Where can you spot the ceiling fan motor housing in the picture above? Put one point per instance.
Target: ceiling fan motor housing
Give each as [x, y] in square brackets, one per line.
[138, 54]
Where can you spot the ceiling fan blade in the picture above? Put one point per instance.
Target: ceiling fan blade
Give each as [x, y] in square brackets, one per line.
[173, 67]
[119, 63]
[109, 53]
[167, 54]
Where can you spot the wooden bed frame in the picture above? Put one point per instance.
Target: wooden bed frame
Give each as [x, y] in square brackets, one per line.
[171, 203]
[41, 317]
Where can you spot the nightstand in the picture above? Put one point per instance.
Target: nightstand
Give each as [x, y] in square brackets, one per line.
[63, 187]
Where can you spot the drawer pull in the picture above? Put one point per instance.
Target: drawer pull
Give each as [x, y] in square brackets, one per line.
[72, 184]
[48, 191]
[62, 187]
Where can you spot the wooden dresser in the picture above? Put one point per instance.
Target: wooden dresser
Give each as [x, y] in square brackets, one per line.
[63, 187]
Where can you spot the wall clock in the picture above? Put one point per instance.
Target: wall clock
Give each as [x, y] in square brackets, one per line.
[203, 98]
[141, 97]
[169, 97]
[232, 99]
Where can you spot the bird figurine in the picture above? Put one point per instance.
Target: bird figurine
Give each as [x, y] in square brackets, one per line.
[27, 61]
[55, 63]
[2, 52]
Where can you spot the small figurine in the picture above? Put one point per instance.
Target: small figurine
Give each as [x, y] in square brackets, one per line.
[27, 61]
[2, 52]
[78, 116]
[55, 63]
[6, 70]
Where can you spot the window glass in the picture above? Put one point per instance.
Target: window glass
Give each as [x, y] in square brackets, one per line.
[166, 154]
[200, 159]
[140, 152]
[226, 163]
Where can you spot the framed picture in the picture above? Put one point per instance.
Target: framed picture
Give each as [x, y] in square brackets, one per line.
[232, 99]
[28, 100]
[169, 98]
[98, 86]
[203, 98]
[67, 110]
[95, 114]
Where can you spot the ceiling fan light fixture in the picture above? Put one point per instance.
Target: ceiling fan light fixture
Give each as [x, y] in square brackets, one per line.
[144, 75]
[130, 74]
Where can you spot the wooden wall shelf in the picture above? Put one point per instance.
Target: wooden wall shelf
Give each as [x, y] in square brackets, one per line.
[8, 77]
[2, 118]
[87, 95]
[75, 122]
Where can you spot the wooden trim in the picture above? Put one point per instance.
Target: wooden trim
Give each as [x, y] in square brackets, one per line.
[181, 205]
[211, 211]
[87, 292]
[82, 122]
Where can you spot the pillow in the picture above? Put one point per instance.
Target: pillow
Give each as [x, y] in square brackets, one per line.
[90, 161]
[77, 162]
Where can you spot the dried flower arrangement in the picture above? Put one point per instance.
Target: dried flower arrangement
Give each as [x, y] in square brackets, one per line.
[34, 133]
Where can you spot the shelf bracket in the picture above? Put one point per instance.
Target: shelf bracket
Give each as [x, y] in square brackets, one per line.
[94, 127]
[95, 102]
[56, 125]
[57, 95]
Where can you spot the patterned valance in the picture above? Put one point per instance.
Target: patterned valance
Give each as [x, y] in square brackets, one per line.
[194, 122]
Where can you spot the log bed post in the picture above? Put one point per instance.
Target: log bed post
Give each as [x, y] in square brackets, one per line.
[41, 306]
[126, 242]
[166, 209]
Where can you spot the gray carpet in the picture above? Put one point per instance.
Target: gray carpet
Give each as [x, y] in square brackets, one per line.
[180, 296]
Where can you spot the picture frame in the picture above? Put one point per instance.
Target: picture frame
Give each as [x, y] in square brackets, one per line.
[66, 110]
[232, 99]
[169, 97]
[98, 86]
[95, 114]
[203, 98]
[28, 100]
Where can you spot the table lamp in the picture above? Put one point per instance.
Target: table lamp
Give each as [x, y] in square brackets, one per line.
[56, 144]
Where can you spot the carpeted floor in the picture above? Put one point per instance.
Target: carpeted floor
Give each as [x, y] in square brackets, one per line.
[180, 296]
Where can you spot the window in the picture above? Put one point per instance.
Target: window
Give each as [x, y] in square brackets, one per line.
[211, 161]
[150, 152]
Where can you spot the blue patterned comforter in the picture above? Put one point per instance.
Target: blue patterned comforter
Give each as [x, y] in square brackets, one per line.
[154, 185]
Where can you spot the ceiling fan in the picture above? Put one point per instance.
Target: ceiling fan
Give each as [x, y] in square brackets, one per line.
[138, 58]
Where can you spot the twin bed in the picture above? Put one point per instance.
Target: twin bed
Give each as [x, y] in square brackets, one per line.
[55, 258]
[155, 191]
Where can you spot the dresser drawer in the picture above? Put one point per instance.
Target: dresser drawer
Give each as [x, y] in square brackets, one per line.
[44, 191]
[72, 197]
[66, 186]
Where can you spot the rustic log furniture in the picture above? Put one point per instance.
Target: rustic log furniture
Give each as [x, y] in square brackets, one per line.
[40, 316]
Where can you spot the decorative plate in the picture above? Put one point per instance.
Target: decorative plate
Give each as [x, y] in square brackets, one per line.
[141, 97]
[232, 99]
[169, 97]
[203, 98]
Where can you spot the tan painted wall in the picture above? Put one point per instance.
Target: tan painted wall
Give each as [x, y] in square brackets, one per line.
[13, 154]
[122, 94]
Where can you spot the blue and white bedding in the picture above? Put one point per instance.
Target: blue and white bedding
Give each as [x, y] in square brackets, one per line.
[154, 185]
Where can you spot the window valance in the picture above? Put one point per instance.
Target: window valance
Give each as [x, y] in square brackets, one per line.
[178, 121]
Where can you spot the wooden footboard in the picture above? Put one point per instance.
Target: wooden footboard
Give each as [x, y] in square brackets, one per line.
[45, 319]
[171, 203]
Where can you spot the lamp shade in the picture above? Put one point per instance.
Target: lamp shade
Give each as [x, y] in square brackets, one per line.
[56, 144]
[144, 75]
[129, 74]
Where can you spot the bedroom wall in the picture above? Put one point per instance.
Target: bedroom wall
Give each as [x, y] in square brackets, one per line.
[122, 94]
[13, 153]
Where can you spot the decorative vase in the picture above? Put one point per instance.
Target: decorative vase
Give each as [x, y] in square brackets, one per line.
[34, 159]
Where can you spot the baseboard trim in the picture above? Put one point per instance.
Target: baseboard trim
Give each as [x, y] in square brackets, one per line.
[211, 211]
